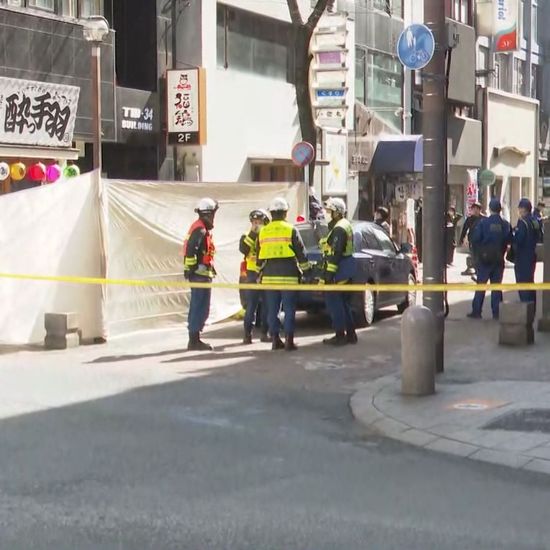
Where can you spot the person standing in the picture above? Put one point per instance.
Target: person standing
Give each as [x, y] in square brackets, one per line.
[452, 219]
[527, 234]
[539, 211]
[339, 268]
[467, 231]
[282, 261]
[256, 309]
[198, 267]
[381, 217]
[491, 238]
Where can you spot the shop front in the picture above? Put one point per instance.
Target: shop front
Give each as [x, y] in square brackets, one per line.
[37, 121]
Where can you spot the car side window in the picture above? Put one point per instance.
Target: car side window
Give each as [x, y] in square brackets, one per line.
[385, 242]
[369, 241]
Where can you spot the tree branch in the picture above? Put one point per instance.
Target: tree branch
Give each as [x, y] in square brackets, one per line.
[295, 15]
[317, 12]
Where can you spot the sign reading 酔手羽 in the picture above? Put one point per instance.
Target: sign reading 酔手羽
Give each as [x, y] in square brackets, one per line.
[37, 113]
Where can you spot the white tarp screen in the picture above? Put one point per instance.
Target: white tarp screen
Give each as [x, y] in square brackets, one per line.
[50, 230]
[54, 230]
[147, 226]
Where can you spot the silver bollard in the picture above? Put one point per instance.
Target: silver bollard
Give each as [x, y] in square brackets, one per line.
[418, 353]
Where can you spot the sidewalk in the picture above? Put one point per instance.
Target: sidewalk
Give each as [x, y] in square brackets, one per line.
[491, 404]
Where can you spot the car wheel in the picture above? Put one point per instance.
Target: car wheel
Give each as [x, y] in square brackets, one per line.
[365, 308]
[411, 295]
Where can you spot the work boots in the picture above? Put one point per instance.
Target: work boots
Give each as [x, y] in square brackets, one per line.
[276, 343]
[339, 339]
[196, 344]
[351, 336]
[265, 337]
[289, 342]
[247, 338]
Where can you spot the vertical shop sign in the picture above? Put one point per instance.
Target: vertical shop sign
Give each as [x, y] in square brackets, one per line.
[186, 107]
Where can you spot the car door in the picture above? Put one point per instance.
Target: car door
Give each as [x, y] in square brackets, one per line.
[390, 265]
[374, 265]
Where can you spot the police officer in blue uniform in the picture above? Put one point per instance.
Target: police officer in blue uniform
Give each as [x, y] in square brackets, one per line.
[339, 268]
[527, 234]
[491, 238]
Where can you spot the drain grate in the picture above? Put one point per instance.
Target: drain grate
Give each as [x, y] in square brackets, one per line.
[524, 420]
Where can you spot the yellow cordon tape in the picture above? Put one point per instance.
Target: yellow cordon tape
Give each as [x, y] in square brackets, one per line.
[448, 287]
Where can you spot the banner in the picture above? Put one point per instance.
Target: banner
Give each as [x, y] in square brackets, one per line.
[505, 25]
[37, 113]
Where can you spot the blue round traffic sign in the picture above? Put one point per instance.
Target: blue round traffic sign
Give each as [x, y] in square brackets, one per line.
[302, 154]
[416, 46]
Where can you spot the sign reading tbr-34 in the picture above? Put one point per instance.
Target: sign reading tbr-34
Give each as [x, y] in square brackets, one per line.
[505, 25]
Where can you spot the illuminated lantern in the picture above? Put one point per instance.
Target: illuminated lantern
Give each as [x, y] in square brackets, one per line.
[17, 171]
[53, 173]
[4, 171]
[71, 171]
[37, 172]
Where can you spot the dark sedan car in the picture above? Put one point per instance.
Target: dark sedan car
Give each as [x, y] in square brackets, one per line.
[378, 261]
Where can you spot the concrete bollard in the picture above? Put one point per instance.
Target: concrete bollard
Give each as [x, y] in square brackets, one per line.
[62, 330]
[418, 353]
[516, 324]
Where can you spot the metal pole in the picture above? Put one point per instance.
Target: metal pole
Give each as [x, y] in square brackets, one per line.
[96, 105]
[435, 147]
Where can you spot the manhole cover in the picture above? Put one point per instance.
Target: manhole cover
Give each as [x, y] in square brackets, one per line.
[524, 420]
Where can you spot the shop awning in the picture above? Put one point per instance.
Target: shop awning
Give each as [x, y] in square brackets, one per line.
[398, 155]
[28, 152]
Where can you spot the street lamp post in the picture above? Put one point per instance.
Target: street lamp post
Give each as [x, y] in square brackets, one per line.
[95, 29]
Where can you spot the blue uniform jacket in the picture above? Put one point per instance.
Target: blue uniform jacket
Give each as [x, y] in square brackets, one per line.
[527, 234]
[492, 231]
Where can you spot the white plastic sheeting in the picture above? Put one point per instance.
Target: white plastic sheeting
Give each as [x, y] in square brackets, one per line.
[55, 230]
[50, 230]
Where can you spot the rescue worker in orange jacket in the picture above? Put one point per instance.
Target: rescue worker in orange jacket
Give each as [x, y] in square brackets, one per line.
[198, 251]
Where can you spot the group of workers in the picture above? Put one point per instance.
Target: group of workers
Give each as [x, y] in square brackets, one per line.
[275, 255]
[491, 239]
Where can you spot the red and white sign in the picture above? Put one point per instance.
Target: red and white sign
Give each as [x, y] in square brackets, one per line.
[505, 25]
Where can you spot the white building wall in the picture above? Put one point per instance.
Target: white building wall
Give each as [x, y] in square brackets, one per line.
[247, 115]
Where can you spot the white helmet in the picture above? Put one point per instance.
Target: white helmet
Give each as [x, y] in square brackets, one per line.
[278, 204]
[336, 205]
[206, 204]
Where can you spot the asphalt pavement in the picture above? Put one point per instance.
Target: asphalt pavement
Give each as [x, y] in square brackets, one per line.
[138, 444]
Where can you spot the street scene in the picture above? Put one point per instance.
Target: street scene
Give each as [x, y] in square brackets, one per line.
[274, 274]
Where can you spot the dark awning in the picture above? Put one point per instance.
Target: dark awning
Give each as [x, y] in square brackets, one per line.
[398, 154]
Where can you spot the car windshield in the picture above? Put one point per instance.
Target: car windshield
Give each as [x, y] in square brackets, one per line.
[311, 235]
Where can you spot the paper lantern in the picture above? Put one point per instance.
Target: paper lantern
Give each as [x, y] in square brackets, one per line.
[4, 171]
[17, 171]
[53, 173]
[37, 172]
[71, 171]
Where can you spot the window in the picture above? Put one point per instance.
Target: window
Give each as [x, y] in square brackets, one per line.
[519, 72]
[42, 4]
[391, 7]
[535, 82]
[385, 242]
[253, 44]
[496, 74]
[360, 60]
[384, 87]
[369, 241]
[68, 8]
[461, 11]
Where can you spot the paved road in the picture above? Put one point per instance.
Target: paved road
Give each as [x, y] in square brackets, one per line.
[221, 460]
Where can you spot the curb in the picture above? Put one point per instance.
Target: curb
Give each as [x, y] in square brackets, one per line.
[365, 410]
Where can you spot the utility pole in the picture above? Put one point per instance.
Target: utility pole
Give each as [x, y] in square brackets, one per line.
[435, 158]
